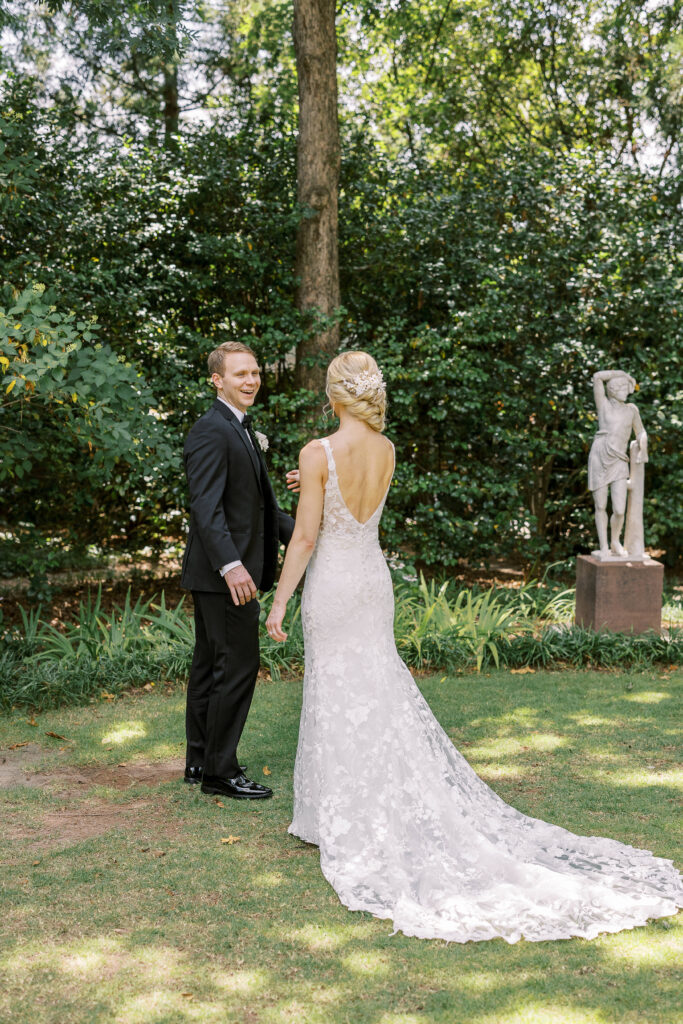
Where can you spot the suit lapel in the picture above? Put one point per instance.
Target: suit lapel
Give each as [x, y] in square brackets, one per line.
[242, 434]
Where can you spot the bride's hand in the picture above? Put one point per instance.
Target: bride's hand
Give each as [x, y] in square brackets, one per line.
[274, 622]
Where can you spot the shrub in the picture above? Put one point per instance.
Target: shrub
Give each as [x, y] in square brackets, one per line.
[142, 642]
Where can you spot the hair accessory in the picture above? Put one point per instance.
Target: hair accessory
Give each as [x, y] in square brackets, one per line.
[365, 381]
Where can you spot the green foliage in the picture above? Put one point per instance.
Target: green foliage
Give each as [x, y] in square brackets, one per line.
[464, 82]
[510, 286]
[584, 648]
[42, 666]
[80, 434]
[27, 552]
[500, 239]
[442, 627]
[429, 623]
[436, 627]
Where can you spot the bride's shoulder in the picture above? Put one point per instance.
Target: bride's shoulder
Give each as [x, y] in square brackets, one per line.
[386, 446]
[312, 455]
[316, 445]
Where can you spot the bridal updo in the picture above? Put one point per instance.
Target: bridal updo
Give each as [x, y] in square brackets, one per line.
[354, 381]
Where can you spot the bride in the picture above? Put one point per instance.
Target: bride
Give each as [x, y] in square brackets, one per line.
[405, 827]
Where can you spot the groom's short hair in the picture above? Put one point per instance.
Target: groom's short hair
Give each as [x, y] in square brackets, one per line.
[216, 360]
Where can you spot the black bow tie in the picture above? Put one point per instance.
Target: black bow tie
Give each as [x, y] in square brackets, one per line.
[246, 421]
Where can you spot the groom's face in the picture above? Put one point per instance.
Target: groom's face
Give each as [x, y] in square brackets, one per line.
[240, 380]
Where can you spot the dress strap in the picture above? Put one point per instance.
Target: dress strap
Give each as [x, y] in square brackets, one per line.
[328, 452]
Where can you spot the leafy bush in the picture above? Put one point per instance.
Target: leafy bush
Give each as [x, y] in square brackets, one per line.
[42, 666]
[489, 292]
[470, 624]
[86, 440]
[142, 642]
[510, 283]
[585, 648]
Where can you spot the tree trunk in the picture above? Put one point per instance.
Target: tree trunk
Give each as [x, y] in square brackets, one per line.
[170, 98]
[317, 261]
[170, 86]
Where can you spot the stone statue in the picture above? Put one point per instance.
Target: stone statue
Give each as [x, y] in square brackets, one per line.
[615, 466]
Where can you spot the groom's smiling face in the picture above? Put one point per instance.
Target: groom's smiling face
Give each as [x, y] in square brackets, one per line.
[239, 381]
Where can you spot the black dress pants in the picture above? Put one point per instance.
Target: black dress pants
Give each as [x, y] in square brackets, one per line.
[222, 679]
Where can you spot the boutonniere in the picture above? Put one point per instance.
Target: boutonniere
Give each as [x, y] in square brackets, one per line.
[262, 440]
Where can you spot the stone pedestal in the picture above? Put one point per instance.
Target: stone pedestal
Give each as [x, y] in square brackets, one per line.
[625, 597]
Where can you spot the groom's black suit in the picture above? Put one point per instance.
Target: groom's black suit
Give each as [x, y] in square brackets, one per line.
[234, 516]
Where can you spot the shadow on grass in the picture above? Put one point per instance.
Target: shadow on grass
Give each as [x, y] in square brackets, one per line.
[252, 967]
[147, 926]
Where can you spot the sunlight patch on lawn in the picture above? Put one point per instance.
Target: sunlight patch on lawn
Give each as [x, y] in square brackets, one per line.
[95, 957]
[123, 732]
[499, 771]
[368, 962]
[79, 959]
[319, 939]
[651, 776]
[90, 963]
[509, 722]
[239, 981]
[294, 1011]
[326, 994]
[584, 720]
[640, 949]
[544, 741]
[537, 1013]
[267, 880]
[505, 746]
[162, 1005]
[646, 697]
[481, 981]
[404, 1018]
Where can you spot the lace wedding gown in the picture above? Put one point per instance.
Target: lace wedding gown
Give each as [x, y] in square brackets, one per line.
[406, 829]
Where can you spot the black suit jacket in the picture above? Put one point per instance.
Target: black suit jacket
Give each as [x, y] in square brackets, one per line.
[234, 514]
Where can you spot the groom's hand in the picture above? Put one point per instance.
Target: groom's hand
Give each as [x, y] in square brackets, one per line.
[293, 483]
[241, 585]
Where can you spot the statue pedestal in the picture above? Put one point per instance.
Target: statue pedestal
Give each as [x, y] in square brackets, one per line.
[625, 597]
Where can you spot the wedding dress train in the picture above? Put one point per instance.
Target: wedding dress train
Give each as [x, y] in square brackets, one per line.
[405, 827]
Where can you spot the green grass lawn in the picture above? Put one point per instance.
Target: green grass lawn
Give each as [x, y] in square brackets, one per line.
[124, 905]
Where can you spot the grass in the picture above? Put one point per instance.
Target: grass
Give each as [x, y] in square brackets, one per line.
[156, 921]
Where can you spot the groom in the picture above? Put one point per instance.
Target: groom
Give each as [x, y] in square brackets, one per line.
[236, 527]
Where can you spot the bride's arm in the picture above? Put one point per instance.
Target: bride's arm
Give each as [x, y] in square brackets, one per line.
[312, 468]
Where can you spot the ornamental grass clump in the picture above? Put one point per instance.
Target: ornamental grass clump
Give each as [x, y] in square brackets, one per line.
[42, 666]
[436, 627]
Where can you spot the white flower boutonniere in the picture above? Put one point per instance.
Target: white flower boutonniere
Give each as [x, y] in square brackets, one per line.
[262, 440]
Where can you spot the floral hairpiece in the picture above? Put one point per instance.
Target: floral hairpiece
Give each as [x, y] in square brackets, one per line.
[365, 381]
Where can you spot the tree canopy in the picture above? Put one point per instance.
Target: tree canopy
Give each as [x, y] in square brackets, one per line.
[509, 222]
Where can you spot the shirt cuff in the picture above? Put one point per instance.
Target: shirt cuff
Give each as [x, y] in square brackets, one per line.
[226, 568]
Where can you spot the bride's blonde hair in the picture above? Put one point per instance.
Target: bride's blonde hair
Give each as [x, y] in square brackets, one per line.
[354, 380]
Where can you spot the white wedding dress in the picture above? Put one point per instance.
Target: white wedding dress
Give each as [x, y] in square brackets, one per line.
[406, 829]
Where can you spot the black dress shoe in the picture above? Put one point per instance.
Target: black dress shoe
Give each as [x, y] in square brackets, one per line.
[193, 773]
[239, 788]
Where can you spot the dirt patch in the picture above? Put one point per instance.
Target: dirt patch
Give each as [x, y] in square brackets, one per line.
[15, 770]
[14, 765]
[120, 776]
[89, 819]
[82, 817]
